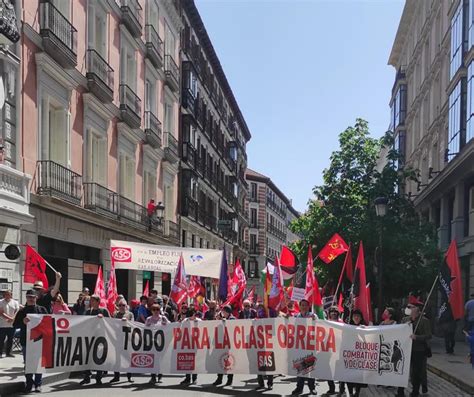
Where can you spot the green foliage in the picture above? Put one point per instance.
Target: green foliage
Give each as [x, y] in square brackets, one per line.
[344, 203]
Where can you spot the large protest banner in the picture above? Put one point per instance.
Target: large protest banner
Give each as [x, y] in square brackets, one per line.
[294, 346]
[159, 258]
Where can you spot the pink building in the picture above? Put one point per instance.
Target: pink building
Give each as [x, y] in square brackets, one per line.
[98, 127]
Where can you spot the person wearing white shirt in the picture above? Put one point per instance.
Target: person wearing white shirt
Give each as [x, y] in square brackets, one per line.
[156, 318]
[8, 310]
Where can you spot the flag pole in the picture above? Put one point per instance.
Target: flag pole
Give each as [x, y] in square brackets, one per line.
[51, 267]
[426, 303]
[340, 277]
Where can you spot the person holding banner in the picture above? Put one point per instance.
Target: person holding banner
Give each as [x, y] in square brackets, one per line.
[357, 320]
[247, 312]
[21, 320]
[123, 314]
[304, 313]
[334, 315]
[156, 318]
[45, 298]
[100, 312]
[226, 314]
[262, 313]
[211, 311]
[191, 379]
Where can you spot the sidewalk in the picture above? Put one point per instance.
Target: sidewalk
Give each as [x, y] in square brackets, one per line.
[12, 377]
[454, 368]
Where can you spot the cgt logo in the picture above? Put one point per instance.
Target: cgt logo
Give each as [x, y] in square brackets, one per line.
[266, 361]
[121, 254]
[142, 360]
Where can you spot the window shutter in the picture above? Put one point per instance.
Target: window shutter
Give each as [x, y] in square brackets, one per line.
[102, 162]
[58, 136]
[130, 179]
[122, 172]
[91, 24]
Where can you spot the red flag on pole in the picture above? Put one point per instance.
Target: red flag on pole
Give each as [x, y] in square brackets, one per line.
[334, 247]
[451, 286]
[288, 262]
[359, 288]
[251, 295]
[194, 286]
[275, 297]
[35, 267]
[179, 290]
[146, 291]
[100, 289]
[112, 293]
[312, 294]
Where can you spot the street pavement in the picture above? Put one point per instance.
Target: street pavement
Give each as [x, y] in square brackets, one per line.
[243, 384]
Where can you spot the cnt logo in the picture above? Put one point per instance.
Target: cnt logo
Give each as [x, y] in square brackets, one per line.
[142, 360]
[120, 254]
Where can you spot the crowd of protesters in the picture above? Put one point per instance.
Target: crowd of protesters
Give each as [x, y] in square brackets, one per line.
[159, 310]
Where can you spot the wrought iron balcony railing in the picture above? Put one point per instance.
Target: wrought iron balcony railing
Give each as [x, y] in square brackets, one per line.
[171, 72]
[152, 130]
[130, 106]
[132, 16]
[154, 46]
[100, 76]
[170, 145]
[100, 199]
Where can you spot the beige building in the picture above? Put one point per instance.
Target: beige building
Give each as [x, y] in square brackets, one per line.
[432, 107]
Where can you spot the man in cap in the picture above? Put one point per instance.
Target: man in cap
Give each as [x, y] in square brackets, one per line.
[21, 319]
[44, 297]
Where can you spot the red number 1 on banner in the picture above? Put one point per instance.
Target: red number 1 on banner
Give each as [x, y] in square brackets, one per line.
[45, 330]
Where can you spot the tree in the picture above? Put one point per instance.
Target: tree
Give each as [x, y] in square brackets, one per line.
[344, 203]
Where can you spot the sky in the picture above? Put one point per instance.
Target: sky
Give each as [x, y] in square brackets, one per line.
[302, 71]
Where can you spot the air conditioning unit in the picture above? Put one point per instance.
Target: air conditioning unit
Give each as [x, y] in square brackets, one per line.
[471, 211]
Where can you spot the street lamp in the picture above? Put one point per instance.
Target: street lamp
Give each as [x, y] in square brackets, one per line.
[160, 210]
[380, 210]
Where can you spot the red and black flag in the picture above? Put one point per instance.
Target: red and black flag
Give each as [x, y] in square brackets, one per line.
[288, 263]
[450, 285]
[35, 267]
[345, 283]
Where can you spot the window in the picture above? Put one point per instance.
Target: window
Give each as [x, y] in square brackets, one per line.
[169, 118]
[470, 102]
[399, 146]
[127, 176]
[149, 186]
[128, 64]
[55, 131]
[169, 202]
[97, 27]
[150, 96]
[63, 7]
[183, 238]
[152, 14]
[456, 41]
[253, 217]
[471, 23]
[193, 241]
[454, 125]
[97, 158]
[253, 191]
[170, 41]
[253, 242]
[201, 243]
[399, 106]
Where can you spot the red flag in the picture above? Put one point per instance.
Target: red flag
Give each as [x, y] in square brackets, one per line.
[194, 286]
[359, 288]
[35, 267]
[179, 290]
[312, 294]
[334, 247]
[451, 286]
[275, 297]
[112, 293]
[146, 291]
[238, 277]
[340, 304]
[100, 289]
[288, 263]
[251, 294]
[205, 308]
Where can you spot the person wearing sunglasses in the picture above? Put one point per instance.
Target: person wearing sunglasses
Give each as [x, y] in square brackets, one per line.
[154, 320]
[125, 315]
[247, 312]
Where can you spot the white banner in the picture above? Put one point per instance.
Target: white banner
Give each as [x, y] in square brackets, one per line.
[158, 258]
[295, 346]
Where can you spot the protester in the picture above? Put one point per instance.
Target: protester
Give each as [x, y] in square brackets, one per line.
[191, 379]
[469, 310]
[123, 314]
[388, 316]
[470, 340]
[183, 312]
[334, 315]
[59, 307]
[45, 298]
[21, 319]
[211, 311]
[8, 309]
[247, 311]
[143, 312]
[155, 319]
[79, 308]
[304, 313]
[100, 312]
[134, 305]
[420, 349]
[226, 314]
[150, 210]
[357, 319]
[86, 291]
[168, 308]
[261, 378]
[448, 327]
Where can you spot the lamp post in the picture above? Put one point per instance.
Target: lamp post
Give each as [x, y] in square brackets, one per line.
[160, 210]
[380, 210]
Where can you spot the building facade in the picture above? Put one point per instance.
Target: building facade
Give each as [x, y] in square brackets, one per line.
[270, 212]
[432, 106]
[212, 140]
[97, 131]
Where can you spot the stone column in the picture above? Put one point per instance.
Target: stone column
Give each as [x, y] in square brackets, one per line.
[457, 224]
[443, 235]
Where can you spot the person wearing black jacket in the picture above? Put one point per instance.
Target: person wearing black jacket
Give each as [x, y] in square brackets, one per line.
[226, 315]
[247, 312]
[100, 312]
[21, 320]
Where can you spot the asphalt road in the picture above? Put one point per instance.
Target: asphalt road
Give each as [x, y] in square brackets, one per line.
[243, 384]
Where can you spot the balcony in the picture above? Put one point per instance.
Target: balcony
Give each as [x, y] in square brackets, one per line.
[170, 145]
[189, 207]
[254, 249]
[14, 196]
[152, 130]
[171, 73]
[130, 106]
[132, 16]
[132, 213]
[272, 229]
[100, 77]
[54, 180]
[101, 200]
[154, 46]
[189, 154]
[188, 100]
[58, 34]
[171, 230]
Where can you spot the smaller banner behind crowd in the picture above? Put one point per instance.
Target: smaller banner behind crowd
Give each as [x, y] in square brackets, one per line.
[158, 258]
[295, 346]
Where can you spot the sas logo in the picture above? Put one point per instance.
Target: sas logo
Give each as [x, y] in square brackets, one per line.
[196, 258]
[227, 361]
[185, 361]
[142, 360]
[122, 254]
[266, 361]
